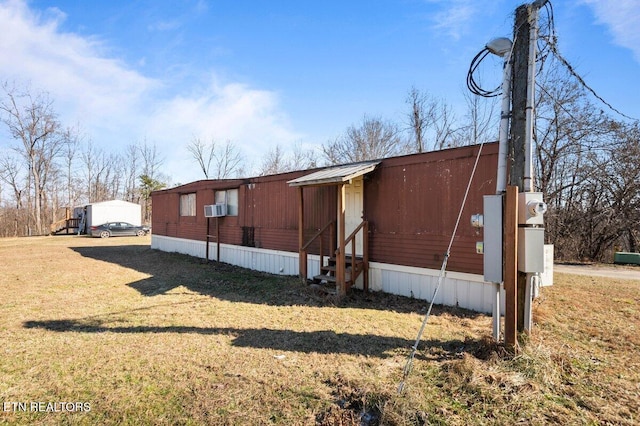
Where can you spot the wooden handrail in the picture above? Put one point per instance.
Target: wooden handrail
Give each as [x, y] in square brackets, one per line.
[355, 231]
[303, 249]
[320, 232]
[64, 223]
[365, 264]
[340, 261]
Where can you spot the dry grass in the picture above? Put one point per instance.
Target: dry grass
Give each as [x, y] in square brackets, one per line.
[148, 337]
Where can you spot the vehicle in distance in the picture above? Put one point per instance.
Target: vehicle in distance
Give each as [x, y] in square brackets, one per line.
[118, 229]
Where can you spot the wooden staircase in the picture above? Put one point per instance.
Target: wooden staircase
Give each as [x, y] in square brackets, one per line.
[341, 271]
[328, 279]
[67, 224]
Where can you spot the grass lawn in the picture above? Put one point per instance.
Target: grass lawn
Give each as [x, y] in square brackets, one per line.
[111, 332]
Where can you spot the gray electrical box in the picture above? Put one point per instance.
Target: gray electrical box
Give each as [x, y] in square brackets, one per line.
[531, 250]
[493, 238]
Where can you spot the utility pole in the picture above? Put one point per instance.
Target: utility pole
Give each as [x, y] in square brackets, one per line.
[513, 218]
[519, 81]
[521, 128]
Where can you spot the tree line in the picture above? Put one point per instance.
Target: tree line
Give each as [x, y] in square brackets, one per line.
[588, 167]
[587, 163]
[46, 166]
[429, 124]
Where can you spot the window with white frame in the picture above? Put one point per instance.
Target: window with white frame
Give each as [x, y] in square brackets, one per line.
[188, 204]
[230, 198]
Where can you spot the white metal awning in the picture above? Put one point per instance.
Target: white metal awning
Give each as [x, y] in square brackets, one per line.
[336, 174]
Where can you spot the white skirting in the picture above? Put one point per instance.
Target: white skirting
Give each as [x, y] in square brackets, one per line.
[458, 289]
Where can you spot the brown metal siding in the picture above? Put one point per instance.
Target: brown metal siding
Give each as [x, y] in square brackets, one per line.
[271, 207]
[267, 212]
[166, 220]
[412, 204]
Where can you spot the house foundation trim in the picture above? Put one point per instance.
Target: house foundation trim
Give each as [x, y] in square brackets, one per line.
[459, 289]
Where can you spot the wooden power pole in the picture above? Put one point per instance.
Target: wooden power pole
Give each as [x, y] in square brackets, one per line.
[519, 79]
[518, 129]
[515, 283]
[522, 116]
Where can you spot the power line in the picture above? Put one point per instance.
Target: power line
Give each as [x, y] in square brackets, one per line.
[551, 46]
[574, 73]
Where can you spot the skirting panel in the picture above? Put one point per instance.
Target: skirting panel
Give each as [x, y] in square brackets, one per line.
[467, 291]
[271, 261]
[459, 289]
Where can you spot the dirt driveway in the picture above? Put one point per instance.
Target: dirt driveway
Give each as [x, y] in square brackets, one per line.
[610, 271]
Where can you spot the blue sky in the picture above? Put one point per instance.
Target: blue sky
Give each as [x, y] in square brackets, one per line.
[261, 73]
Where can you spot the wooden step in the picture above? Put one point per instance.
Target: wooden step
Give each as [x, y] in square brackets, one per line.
[332, 278]
[326, 278]
[332, 268]
[348, 260]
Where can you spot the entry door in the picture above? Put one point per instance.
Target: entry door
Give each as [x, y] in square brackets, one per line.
[354, 210]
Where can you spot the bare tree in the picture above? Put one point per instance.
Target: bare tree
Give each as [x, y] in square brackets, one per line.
[421, 113]
[373, 139]
[279, 161]
[567, 126]
[613, 189]
[275, 162]
[151, 161]
[52, 166]
[228, 161]
[304, 158]
[10, 174]
[577, 171]
[444, 127]
[114, 178]
[95, 162]
[203, 153]
[31, 121]
[429, 121]
[151, 178]
[71, 139]
[130, 173]
[480, 124]
[226, 158]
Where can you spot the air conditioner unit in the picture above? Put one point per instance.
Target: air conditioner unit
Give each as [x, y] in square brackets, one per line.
[215, 210]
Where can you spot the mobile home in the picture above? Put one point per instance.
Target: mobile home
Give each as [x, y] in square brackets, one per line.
[386, 224]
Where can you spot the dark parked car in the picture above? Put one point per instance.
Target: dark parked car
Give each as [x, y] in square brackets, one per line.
[118, 229]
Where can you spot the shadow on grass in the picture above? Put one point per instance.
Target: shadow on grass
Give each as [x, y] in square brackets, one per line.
[224, 281]
[322, 342]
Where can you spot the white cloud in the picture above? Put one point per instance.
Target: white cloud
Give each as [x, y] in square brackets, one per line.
[454, 18]
[459, 18]
[69, 67]
[164, 25]
[248, 117]
[117, 105]
[224, 111]
[622, 17]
